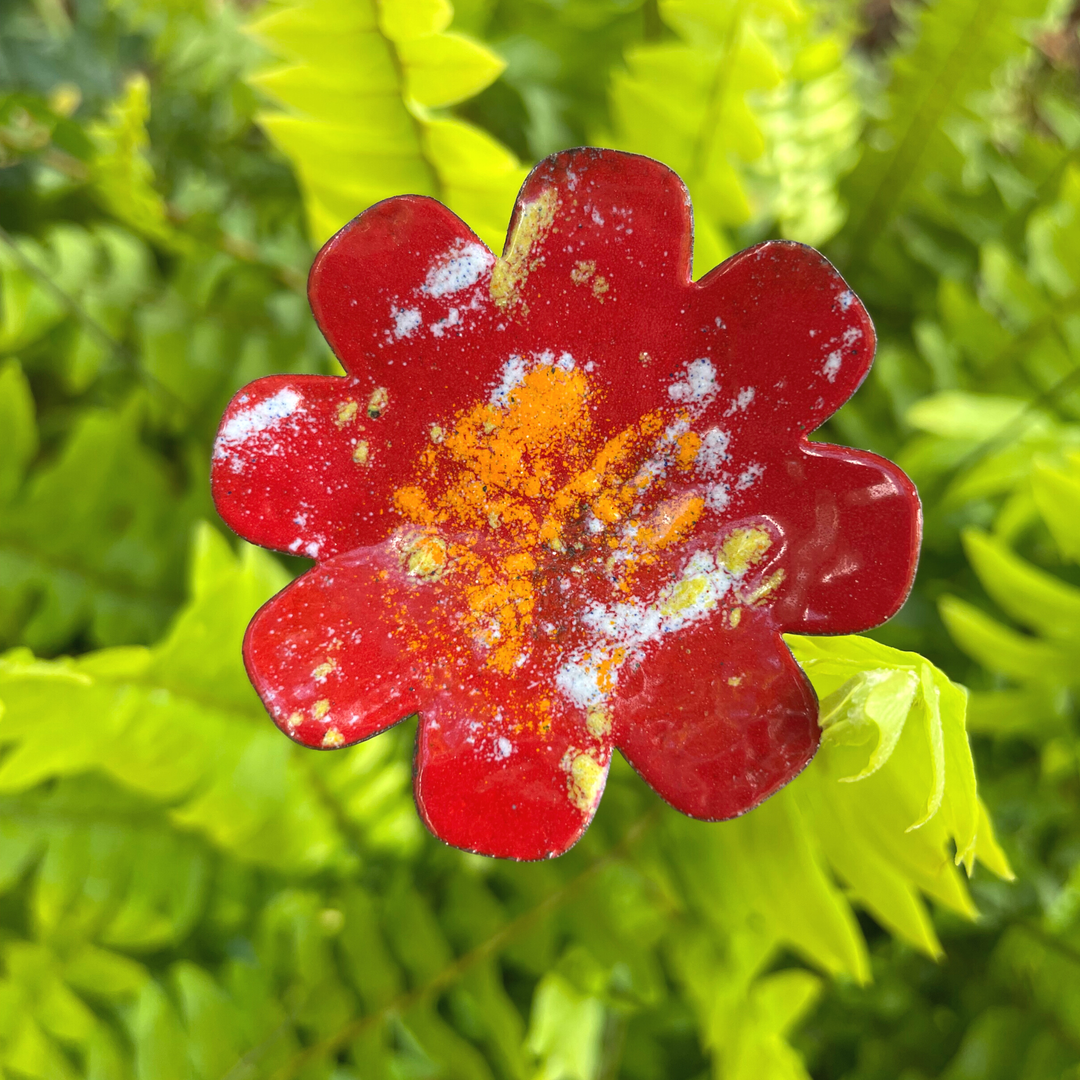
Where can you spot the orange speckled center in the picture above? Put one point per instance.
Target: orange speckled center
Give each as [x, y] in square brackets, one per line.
[536, 475]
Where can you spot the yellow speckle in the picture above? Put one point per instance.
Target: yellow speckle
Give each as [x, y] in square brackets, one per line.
[320, 708]
[295, 720]
[378, 401]
[742, 549]
[585, 782]
[427, 558]
[598, 721]
[599, 287]
[324, 669]
[361, 454]
[735, 617]
[436, 433]
[582, 272]
[333, 737]
[644, 358]
[685, 595]
[735, 680]
[509, 273]
[765, 589]
[346, 413]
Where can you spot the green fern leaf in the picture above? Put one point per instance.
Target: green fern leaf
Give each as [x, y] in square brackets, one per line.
[359, 85]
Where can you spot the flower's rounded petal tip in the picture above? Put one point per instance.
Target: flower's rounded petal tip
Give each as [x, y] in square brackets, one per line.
[855, 548]
[522, 796]
[789, 321]
[379, 262]
[716, 739]
[310, 652]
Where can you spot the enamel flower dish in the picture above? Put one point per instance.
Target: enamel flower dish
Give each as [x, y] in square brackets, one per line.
[564, 502]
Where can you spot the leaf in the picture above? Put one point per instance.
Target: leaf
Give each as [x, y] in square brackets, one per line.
[1031, 596]
[179, 725]
[995, 646]
[360, 80]
[79, 547]
[1057, 495]
[20, 439]
[122, 175]
[892, 789]
[949, 53]
[565, 1030]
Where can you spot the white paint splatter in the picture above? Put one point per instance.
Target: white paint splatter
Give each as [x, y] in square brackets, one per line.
[845, 299]
[699, 385]
[717, 497]
[406, 320]
[461, 267]
[831, 368]
[453, 317]
[750, 476]
[623, 630]
[851, 335]
[503, 747]
[713, 451]
[257, 420]
[513, 374]
[741, 401]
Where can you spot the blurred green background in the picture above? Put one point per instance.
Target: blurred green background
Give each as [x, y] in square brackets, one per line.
[186, 894]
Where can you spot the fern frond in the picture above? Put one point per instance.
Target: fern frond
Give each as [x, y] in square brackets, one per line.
[950, 53]
[360, 88]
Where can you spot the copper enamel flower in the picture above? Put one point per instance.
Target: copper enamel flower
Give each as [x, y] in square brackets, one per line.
[564, 502]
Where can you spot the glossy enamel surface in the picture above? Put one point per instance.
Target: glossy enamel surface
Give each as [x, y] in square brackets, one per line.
[564, 503]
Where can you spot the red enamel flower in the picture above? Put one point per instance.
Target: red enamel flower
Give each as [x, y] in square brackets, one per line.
[563, 502]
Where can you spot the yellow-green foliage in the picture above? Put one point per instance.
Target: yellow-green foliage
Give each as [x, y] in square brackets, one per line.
[360, 84]
[186, 895]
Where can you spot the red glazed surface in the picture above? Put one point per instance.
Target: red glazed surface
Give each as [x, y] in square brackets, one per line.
[564, 503]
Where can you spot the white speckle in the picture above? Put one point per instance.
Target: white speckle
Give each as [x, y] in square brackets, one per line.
[513, 373]
[851, 335]
[845, 299]
[503, 747]
[300, 519]
[717, 498]
[406, 320]
[741, 401]
[597, 219]
[713, 451]
[295, 545]
[699, 384]
[831, 368]
[461, 267]
[719, 323]
[565, 362]
[591, 673]
[247, 423]
[453, 317]
[589, 366]
[312, 550]
[749, 476]
[813, 333]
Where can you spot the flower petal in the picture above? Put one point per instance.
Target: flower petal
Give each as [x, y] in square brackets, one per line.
[786, 327]
[488, 781]
[366, 639]
[299, 465]
[718, 718]
[383, 290]
[325, 657]
[852, 523]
